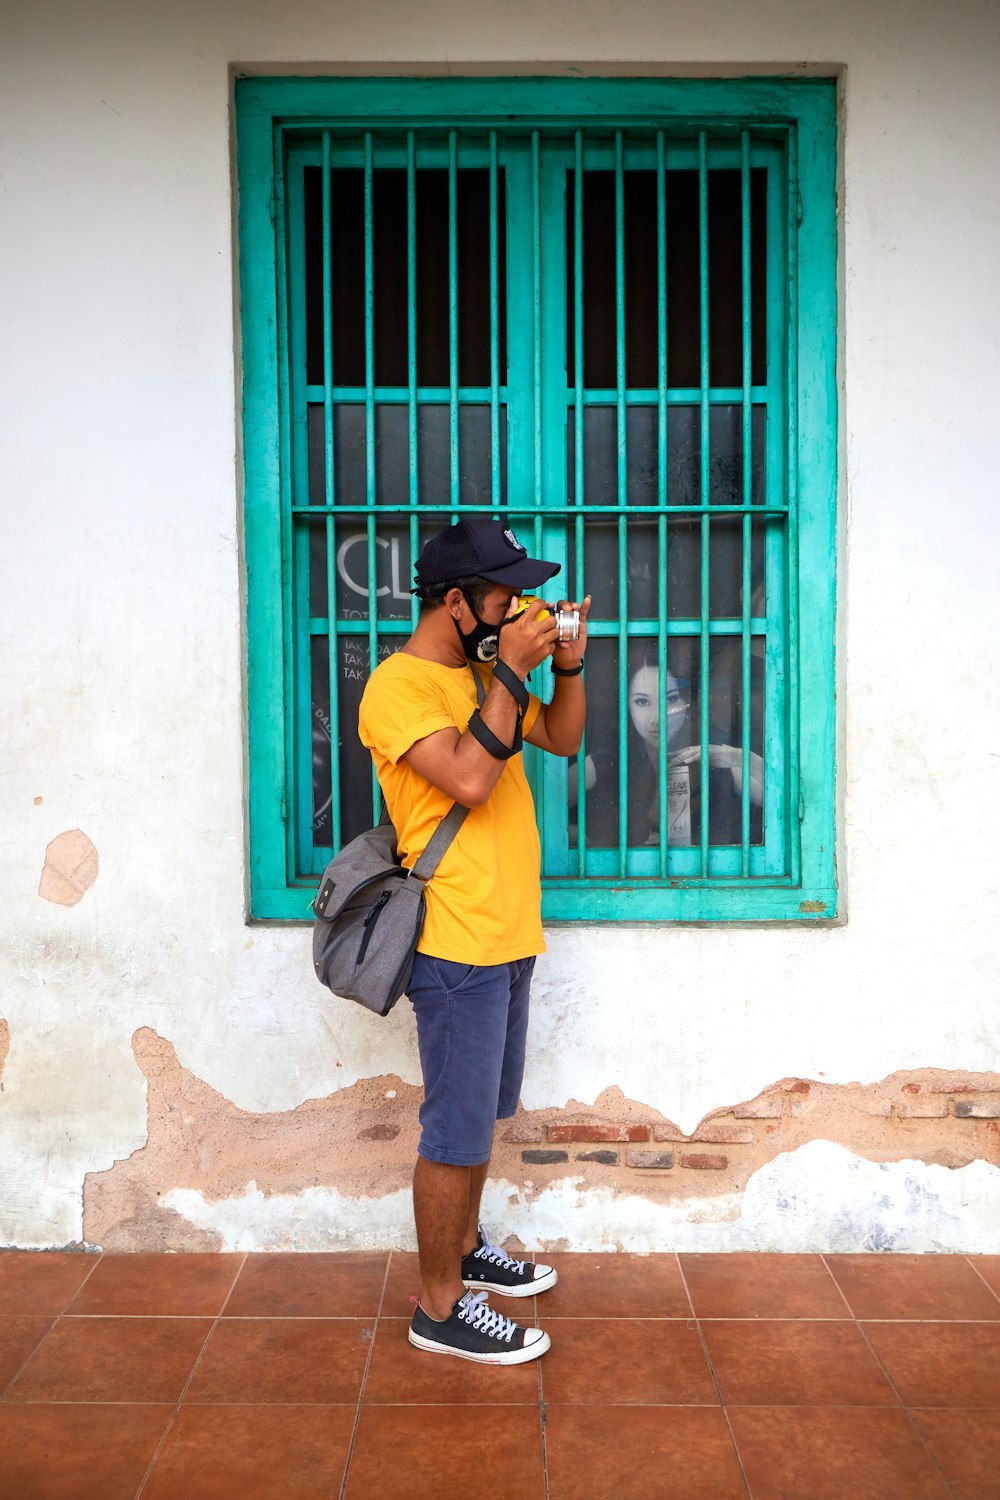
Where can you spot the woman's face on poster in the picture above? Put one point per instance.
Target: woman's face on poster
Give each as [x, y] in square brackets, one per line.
[644, 707]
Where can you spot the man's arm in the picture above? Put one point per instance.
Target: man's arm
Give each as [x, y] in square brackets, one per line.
[457, 764]
[559, 726]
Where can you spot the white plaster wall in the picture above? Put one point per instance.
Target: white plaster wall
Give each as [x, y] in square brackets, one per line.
[120, 688]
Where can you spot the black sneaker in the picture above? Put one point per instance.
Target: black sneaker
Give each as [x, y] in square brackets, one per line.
[490, 1269]
[474, 1330]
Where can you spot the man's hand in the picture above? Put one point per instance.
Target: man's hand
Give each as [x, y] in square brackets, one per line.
[526, 641]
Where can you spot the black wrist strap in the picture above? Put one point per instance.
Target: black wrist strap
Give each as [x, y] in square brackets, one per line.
[568, 671]
[512, 683]
[489, 741]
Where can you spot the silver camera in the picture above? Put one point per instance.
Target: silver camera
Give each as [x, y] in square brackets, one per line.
[568, 621]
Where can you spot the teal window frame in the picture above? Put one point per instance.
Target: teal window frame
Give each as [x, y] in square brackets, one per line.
[796, 119]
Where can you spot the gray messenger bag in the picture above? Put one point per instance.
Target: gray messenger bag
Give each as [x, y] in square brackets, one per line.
[369, 912]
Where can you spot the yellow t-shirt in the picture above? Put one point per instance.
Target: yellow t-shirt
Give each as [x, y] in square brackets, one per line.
[484, 900]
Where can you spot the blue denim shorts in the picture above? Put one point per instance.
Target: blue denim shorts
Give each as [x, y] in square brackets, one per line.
[472, 1021]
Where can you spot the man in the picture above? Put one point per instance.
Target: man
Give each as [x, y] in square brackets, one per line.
[432, 746]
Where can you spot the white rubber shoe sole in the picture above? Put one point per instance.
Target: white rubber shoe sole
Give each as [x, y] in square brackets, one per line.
[534, 1350]
[528, 1289]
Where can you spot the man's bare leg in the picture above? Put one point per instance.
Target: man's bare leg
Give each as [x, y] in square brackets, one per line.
[477, 1176]
[441, 1204]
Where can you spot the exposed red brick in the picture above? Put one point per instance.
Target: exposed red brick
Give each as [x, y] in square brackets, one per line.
[911, 1088]
[522, 1133]
[924, 1109]
[379, 1133]
[598, 1132]
[667, 1133]
[963, 1083]
[657, 1159]
[704, 1161]
[724, 1135]
[800, 1086]
[759, 1109]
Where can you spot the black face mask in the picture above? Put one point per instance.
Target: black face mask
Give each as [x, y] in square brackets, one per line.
[482, 642]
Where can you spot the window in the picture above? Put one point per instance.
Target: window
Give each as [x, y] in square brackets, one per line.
[604, 310]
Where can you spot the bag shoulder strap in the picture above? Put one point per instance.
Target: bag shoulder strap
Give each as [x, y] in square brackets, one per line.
[440, 840]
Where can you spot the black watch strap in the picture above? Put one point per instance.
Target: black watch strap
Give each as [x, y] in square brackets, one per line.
[568, 671]
[489, 741]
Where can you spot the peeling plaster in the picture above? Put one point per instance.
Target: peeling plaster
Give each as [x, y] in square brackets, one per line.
[4, 1047]
[819, 1198]
[338, 1169]
[70, 869]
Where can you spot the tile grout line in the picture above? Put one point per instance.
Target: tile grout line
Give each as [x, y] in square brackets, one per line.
[543, 1416]
[971, 1262]
[364, 1376]
[56, 1318]
[187, 1384]
[902, 1404]
[840, 1290]
[711, 1370]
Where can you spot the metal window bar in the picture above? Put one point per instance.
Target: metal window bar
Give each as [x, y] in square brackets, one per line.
[794, 794]
[536, 308]
[370, 428]
[747, 520]
[579, 467]
[411, 351]
[661, 520]
[703, 683]
[453, 314]
[329, 493]
[622, 480]
[494, 332]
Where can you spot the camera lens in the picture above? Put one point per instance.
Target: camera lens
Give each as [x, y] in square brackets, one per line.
[568, 621]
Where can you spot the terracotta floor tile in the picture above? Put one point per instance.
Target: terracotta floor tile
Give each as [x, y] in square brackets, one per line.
[447, 1452]
[77, 1452]
[296, 1360]
[18, 1337]
[913, 1286]
[748, 1285]
[180, 1286]
[966, 1447]
[643, 1453]
[795, 1364]
[348, 1285]
[833, 1453]
[988, 1267]
[402, 1375]
[253, 1453]
[940, 1364]
[626, 1362]
[616, 1286]
[403, 1282]
[112, 1359]
[42, 1281]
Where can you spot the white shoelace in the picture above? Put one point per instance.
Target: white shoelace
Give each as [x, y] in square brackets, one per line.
[475, 1311]
[499, 1257]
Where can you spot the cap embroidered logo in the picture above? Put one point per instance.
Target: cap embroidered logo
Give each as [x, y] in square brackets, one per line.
[511, 539]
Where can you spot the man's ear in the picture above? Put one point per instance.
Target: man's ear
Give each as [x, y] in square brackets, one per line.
[453, 600]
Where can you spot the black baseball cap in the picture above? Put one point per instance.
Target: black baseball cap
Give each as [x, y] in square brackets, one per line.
[480, 549]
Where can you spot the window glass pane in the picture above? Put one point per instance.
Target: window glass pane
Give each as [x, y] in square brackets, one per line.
[726, 738]
[725, 471]
[475, 464]
[392, 454]
[725, 289]
[352, 759]
[389, 275]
